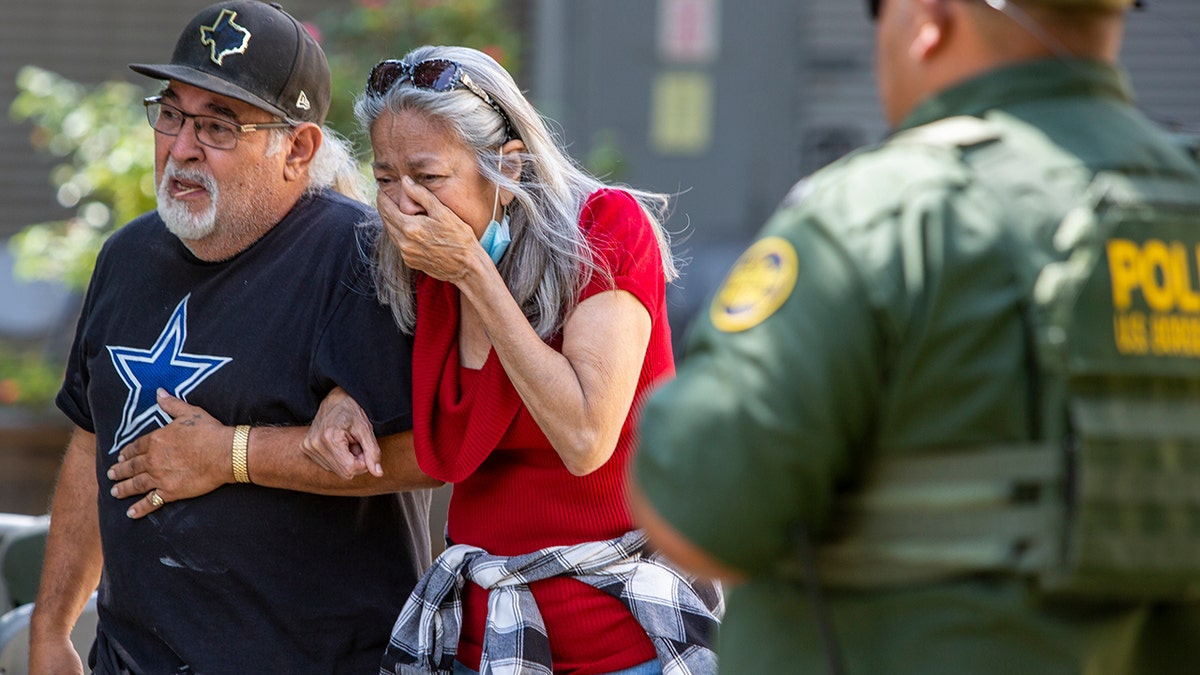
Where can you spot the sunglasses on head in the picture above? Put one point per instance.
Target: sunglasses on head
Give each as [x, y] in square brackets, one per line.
[434, 75]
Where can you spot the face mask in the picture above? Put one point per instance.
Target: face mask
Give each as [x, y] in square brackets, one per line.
[495, 239]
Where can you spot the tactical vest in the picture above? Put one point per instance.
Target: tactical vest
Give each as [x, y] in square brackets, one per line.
[1108, 507]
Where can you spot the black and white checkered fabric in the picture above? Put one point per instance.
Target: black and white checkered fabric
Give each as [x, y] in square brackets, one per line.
[679, 614]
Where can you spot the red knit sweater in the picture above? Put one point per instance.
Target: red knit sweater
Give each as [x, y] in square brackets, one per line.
[512, 493]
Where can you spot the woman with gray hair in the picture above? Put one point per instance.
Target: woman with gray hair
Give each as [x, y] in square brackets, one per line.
[536, 297]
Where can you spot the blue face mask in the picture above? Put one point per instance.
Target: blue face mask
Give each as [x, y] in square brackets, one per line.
[496, 238]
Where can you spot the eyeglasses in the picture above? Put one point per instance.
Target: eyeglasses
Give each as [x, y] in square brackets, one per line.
[433, 74]
[211, 131]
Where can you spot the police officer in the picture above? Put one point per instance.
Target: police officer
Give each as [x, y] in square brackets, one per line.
[939, 418]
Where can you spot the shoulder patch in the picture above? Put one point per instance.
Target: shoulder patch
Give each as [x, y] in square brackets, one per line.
[760, 282]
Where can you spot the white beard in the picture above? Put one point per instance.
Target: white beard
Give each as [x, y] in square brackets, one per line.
[179, 218]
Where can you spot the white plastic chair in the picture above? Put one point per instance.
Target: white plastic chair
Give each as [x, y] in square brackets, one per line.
[22, 546]
[14, 637]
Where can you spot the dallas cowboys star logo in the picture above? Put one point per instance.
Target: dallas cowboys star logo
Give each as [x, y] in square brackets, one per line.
[162, 365]
[224, 37]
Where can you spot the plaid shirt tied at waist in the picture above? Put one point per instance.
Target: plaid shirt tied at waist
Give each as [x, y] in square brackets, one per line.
[678, 613]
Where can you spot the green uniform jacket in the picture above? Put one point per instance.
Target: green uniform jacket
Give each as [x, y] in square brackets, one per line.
[879, 315]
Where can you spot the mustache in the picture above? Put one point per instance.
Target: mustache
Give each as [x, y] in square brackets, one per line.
[200, 177]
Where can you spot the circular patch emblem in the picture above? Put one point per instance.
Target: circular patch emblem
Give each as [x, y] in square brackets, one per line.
[759, 283]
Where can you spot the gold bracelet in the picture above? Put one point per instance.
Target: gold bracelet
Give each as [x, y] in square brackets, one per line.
[241, 442]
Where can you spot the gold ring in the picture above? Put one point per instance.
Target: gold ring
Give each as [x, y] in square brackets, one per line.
[155, 499]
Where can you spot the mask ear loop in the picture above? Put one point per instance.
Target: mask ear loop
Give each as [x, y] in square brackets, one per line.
[500, 171]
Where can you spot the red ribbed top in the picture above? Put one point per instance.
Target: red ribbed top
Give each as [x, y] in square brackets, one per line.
[512, 493]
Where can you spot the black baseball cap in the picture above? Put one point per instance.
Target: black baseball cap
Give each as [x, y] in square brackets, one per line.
[255, 52]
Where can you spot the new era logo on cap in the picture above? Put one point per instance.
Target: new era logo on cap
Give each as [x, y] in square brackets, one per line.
[224, 37]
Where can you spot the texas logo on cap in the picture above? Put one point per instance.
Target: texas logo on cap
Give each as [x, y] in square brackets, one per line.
[224, 37]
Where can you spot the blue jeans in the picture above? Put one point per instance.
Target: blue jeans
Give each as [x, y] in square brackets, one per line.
[647, 668]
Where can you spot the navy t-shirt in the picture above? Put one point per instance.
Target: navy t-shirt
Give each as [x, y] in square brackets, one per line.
[247, 578]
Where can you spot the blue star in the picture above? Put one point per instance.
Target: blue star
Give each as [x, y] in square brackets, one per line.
[163, 365]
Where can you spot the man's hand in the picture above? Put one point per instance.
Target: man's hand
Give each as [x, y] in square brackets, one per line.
[341, 438]
[54, 656]
[174, 462]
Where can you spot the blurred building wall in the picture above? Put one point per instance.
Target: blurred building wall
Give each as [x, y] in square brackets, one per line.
[727, 103]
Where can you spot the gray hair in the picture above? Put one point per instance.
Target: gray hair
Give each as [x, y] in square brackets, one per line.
[334, 165]
[549, 261]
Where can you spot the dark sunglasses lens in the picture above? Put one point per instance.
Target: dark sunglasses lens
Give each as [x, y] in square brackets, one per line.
[437, 74]
[383, 76]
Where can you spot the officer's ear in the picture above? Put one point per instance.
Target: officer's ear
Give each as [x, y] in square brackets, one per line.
[302, 147]
[933, 23]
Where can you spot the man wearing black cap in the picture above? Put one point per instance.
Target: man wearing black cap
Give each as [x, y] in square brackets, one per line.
[245, 295]
[941, 417]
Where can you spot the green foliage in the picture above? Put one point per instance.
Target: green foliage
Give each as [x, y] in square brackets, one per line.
[358, 37]
[107, 171]
[27, 377]
[107, 174]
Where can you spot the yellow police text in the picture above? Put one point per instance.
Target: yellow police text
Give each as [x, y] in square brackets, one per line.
[1156, 297]
[1161, 272]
